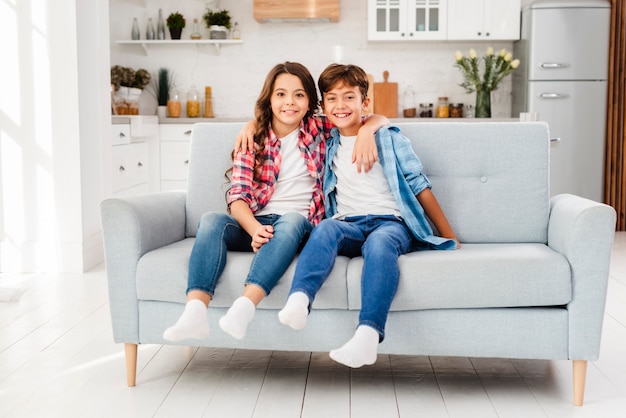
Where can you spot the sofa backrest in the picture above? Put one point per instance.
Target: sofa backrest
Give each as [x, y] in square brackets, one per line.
[209, 158]
[491, 178]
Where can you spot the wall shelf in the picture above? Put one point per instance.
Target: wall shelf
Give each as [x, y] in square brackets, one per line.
[217, 43]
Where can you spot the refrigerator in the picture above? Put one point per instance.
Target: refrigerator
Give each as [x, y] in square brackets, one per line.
[564, 54]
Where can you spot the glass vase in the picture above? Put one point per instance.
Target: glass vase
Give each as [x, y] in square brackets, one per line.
[483, 104]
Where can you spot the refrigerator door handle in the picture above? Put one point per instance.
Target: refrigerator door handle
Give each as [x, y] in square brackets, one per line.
[553, 96]
[553, 65]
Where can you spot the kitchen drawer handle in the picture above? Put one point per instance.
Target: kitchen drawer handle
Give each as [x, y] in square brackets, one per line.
[122, 169]
[555, 139]
[139, 164]
[122, 135]
[553, 65]
[186, 161]
[188, 132]
[553, 96]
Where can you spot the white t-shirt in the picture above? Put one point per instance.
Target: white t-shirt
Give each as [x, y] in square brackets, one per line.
[294, 187]
[362, 193]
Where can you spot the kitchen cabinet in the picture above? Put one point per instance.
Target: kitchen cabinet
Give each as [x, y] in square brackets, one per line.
[130, 166]
[175, 142]
[483, 20]
[406, 20]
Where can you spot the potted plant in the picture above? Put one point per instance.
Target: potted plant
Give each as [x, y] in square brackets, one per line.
[128, 85]
[160, 89]
[175, 23]
[218, 23]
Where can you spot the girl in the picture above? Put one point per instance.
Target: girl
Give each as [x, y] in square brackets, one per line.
[274, 201]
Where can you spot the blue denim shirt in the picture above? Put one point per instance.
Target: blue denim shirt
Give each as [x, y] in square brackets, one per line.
[403, 170]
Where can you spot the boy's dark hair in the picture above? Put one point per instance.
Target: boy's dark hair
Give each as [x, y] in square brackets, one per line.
[349, 75]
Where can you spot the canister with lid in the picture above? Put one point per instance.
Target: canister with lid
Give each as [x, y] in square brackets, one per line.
[426, 110]
[456, 110]
[443, 110]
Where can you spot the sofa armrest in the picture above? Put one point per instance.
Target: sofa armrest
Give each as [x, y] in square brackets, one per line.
[131, 227]
[583, 231]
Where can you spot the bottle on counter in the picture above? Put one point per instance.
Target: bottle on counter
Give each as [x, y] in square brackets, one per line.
[469, 111]
[193, 103]
[408, 103]
[426, 110]
[443, 109]
[135, 34]
[160, 26]
[208, 103]
[150, 30]
[196, 33]
[236, 33]
[173, 105]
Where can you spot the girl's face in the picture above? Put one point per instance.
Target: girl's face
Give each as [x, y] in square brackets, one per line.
[343, 106]
[289, 103]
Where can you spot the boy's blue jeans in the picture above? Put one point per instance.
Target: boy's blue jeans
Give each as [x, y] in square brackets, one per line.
[219, 233]
[380, 239]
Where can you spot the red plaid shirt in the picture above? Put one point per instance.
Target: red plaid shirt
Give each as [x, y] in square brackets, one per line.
[256, 189]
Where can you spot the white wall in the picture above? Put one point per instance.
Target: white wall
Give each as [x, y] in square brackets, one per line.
[53, 117]
[237, 74]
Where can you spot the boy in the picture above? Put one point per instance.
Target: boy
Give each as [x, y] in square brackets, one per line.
[372, 214]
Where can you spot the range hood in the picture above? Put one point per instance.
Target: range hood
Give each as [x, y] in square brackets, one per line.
[267, 11]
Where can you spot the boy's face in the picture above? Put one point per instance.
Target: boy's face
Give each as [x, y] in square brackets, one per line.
[289, 104]
[343, 106]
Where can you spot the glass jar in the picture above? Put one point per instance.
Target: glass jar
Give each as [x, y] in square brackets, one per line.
[193, 103]
[173, 105]
[456, 110]
[426, 110]
[408, 103]
[469, 111]
[443, 109]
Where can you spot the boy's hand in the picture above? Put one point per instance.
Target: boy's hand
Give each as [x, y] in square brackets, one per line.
[245, 138]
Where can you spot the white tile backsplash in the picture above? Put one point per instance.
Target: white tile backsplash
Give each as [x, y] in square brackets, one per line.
[237, 73]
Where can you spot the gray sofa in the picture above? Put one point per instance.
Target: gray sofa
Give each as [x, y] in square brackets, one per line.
[529, 282]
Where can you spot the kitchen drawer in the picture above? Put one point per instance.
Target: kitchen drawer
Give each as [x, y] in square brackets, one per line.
[175, 132]
[129, 165]
[174, 160]
[120, 134]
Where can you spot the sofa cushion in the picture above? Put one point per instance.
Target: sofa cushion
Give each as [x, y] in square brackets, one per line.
[162, 276]
[476, 276]
[491, 181]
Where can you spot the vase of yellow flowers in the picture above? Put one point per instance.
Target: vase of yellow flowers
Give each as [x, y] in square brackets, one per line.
[494, 68]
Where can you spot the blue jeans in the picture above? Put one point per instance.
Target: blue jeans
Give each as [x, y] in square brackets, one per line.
[219, 233]
[380, 239]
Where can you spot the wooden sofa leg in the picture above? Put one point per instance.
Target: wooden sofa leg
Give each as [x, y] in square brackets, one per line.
[131, 363]
[580, 375]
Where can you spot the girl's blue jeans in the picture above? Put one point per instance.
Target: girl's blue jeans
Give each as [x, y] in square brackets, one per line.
[219, 233]
[380, 239]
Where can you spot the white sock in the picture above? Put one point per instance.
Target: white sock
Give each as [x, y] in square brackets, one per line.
[193, 323]
[296, 311]
[236, 320]
[362, 348]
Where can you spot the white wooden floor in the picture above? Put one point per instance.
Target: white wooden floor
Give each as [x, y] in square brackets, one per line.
[57, 359]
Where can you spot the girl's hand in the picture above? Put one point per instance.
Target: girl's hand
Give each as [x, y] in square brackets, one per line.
[262, 236]
[245, 138]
